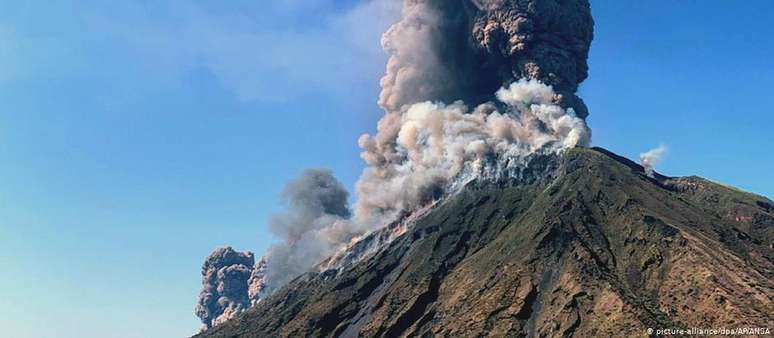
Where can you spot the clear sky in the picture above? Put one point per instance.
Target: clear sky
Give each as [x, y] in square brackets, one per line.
[135, 137]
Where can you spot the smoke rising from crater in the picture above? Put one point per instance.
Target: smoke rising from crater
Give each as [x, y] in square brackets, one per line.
[457, 55]
[437, 143]
[448, 50]
[651, 158]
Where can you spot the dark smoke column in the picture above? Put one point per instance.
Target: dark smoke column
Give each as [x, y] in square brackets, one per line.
[447, 50]
[547, 40]
[225, 275]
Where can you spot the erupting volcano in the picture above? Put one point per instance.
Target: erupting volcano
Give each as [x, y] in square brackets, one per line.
[482, 211]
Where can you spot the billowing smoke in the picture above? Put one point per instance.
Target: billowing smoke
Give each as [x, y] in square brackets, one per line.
[448, 50]
[462, 52]
[315, 225]
[224, 275]
[256, 285]
[472, 87]
[651, 158]
[436, 144]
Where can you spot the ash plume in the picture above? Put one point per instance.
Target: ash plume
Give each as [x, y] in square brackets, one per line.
[651, 158]
[449, 50]
[471, 89]
[451, 92]
[224, 275]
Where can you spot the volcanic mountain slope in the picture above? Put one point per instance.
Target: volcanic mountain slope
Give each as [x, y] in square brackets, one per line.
[583, 244]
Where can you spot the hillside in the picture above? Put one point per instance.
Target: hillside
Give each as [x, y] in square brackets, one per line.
[583, 244]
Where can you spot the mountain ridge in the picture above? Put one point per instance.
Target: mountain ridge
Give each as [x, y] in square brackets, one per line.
[586, 245]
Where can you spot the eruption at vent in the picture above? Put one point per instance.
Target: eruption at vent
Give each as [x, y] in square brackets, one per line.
[472, 88]
[531, 53]
[436, 145]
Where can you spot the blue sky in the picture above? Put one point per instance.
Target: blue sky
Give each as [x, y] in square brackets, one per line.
[137, 137]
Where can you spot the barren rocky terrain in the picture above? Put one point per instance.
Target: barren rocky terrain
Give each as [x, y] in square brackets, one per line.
[583, 244]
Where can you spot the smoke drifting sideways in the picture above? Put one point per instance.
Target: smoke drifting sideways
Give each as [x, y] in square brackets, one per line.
[472, 88]
[651, 158]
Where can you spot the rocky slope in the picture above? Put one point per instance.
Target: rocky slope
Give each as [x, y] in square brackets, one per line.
[584, 244]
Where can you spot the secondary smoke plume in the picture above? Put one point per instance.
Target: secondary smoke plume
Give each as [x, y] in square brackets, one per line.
[472, 87]
[315, 225]
[224, 276]
[651, 158]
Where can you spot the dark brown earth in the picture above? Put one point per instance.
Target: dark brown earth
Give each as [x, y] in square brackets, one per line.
[586, 245]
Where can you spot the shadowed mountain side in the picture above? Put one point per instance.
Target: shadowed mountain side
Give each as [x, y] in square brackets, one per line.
[589, 247]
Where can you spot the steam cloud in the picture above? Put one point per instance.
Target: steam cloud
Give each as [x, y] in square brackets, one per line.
[471, 88]
[651, 158]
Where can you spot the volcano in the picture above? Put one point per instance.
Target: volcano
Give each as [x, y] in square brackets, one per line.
[583, 243]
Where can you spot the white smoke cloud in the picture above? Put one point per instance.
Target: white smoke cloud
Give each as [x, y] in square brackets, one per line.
[651, 158]
[435, 143]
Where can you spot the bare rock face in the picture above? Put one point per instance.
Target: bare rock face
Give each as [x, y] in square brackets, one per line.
[224, 286]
